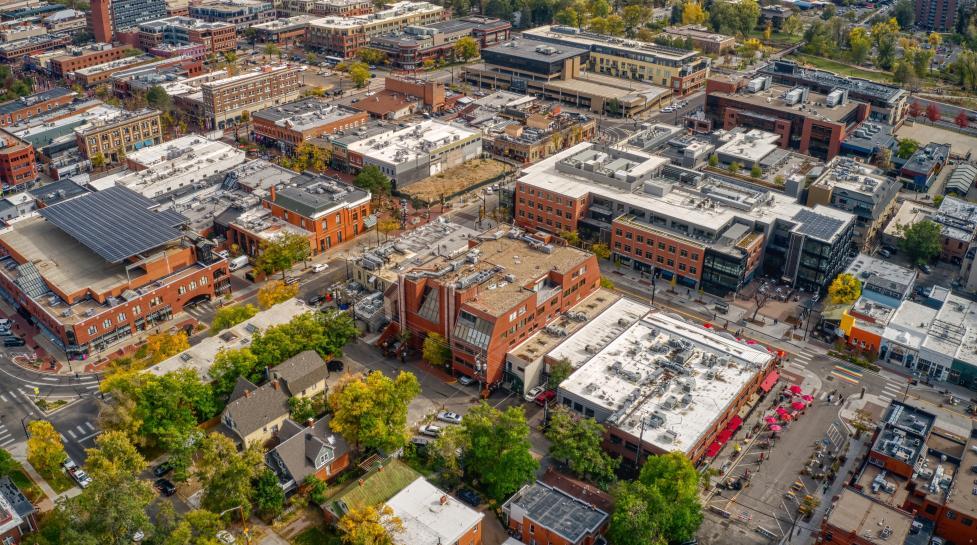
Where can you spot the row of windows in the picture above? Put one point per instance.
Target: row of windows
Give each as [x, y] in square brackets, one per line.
[137, 309]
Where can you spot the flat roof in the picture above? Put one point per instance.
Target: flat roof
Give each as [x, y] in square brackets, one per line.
[430, 516]
[908, 213]
[858, 179]
[314, 196]
[698, 32]
[669, 378]
[584, 313]
[599, 43]
[751, 146]
[888, 93]
[187, 23]
[775, 98]
[12, 106]
[908, 324]
[578, 348]
[963, 497]
[958, 218]
[416, 247]
[188, 163]
[403, 145]
[305, 114]
[872, 271]
[116, 223]
[872, 521]
[871, 136]
[536, 50]
[555, 510]
[297, 21]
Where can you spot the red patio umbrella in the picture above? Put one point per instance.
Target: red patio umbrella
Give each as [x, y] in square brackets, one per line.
[770, 420]
[798, 405]
[807, 398]
[795, 389]
[707, 325]
[781, 411]
[775, 427]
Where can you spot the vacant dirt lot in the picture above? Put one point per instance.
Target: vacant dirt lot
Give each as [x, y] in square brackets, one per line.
[454, 180]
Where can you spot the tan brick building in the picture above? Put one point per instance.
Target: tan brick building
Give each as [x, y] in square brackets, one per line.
[128, 133]
[288, 125]
[225, 100]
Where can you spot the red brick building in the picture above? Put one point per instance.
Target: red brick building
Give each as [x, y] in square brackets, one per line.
[95, 270]
[508, 286]
[17, 110]
[541, 513]
[100, 20]
[18, 166]
[17, 514]
[216, 37]
[409, 49]
[14, 53]
[289, 125]
[83, 58]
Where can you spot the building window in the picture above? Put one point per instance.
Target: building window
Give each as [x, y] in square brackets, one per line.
[181, 290]
[136, 310]
[121, 317]
[951, 515]
[193, 284]
[92, 330]
[107, 323]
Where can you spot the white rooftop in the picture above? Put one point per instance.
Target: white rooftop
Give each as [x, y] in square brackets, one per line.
[430, 516]
[669, 378]
[407, 144]
[201, 357]
[953, 332]
[580, 347]
[394, 11]
[751, 146]
[908, 324]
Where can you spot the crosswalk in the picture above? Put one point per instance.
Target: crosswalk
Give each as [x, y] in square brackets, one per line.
[200, 310]
[891, 390]
[16, 395]
[5, 436]
[799, 360]
[848, 374]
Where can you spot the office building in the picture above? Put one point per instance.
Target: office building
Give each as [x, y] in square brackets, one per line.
[77, 58]
[936, 15]
[215, 36]
[883, 281]
[115, 137]
[66, 20]
[15, 53]
[811, 123]
[11, 31]
[857, 519]
[890, 104]
[536, 137]
[224, 100]
[702, 39]
[680, 70]
[859, 189]
[240, 13]
[284, 32]
[410, 48]
[289, 125]
[93, 270]
[21, 109]
[870, 141]
[706, 230]
[109, 17]
[18, 163]
[923, 166]
[126, 83]
[556, 73]
[102, 73]
[343, 36]
[324, 8]
[692, 381]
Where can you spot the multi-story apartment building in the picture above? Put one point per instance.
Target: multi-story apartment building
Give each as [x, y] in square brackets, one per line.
[289, 125]
[680, 70]
[77, 58]
[20, 109]
[486, 300]
[705, 230]
[323, 8]
[702, 39]
[536, 137]
[936, 15]
[890, 104]
[287, 31]
[15, 53]
[344, 36]
[115, 138]
[410, 48]
[859, 189]
[224, 100]
[66, 20]
[811, 123]
[92, 271]
[216, 37]
[111, 16]
[18, 167]
[241, 13]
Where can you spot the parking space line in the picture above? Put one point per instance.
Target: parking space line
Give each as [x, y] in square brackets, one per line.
[71, 433]
[3, 398]
[90, 426]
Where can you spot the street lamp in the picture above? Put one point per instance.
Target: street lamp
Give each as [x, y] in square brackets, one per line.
[244, 524]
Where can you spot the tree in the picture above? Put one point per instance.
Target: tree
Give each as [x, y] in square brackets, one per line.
[965, 67]
[559, 371]
[734, 18]
[281, 253]
[735, 167]
[497, 449]
[915, 109]
[308, 156]
[598, 25]
[693, 14]
[904, 13]
[325, 332]
[906, 148]
[713, 160]
[634, 16]
[902, 72]
[572, 237]
[369, 525]
[226, 474]
[387, 226]
[44, 448]
[372, 56]
[761, 296]
[845, 289]
[884, 36]
[158, 98]
[792, 26]
[860, 45]
[161, 346]
[228, 366]
[373, 180]
[198, 527]
[934, 39]
[302, 409]
[962, 120]
[268, 496]
[602, 251]
[276, 291]
[921, 241]
[933, 112]
[230, 316]
[271, 50]
[466, 48]
[578, 444]
[7, 463]
[98, 160]
[828, 12]
[756, 171]
[568, 17]
[360, 74]
[372, 412]
[436, 350]
[661, 506]
[598, 8]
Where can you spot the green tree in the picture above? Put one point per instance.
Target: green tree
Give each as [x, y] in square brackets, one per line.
[559, 371]
[920, 59]
[921, 241]
[497, 449]
[444, 454]
[844, 289]
[359, 73]
[369, 525]
[44, 448]
[281, 253]
[374, 181]
[268, 496]
[904, 13]
[713, 160]
[693, 14]
[372, 412]
[577, 443]
[372, 56]
[436, 350]
[884, 36]
[226, 474]
[906, 148]
[598, 8]
[271, 50]
[572, 237]
[902, 72]
[735, 167]
[98, 160]
[756, 171]
[661, 506]
[303, 409]
[7, 464]
[615, 25]
[198, 527]
[734, 18]
[860, 44]
[568, 17]
[230, 316]
[158, 98]
[792, 26]
[634, 17]
[228, 366]
[602, 251]
[466, 48]
[325, 332]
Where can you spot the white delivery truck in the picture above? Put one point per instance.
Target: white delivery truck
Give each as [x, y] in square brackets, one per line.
[238, 262]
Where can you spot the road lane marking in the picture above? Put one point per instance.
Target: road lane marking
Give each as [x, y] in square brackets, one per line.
[3, 398]
[71, 433]
[844, 377]
[51, 379]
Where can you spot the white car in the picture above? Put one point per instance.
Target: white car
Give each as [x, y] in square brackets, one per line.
[319, 267]
[226, 537]
[531, 394]
[82, 478]
[431, 430]
[450, 417]
[138, 536]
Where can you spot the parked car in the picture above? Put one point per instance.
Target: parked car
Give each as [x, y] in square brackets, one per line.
[926, 268]
[5, 323]
[335, 366]
[420, 441]
[316, 300]
[319, 267]
[226, 537]
[431, 430]
[545, 397]
[531, 394]
[448, 416]
[138, 536]
[289, 280]
[470, 497]
[465, 380]
[165, 487]
[69, 465]
[885, 253]
[13, 341]
[162, 469]
[81, 478]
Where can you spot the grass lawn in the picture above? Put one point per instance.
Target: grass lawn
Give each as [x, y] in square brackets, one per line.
[27, 486]
[841, 68]
[58, 479]
[316, 535]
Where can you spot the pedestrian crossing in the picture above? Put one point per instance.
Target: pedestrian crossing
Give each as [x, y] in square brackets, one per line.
[5, 436]
[891, 390]
[201, 311]
[799, 360]
[847, 374]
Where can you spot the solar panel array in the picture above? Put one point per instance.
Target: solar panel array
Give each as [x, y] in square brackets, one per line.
[116, 223]
[817, 225]
[30, 280]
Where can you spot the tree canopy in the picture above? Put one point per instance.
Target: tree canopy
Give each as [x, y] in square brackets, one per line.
[466, 48]
[360, 74]
[559, 371]
[497, 449]
[44, 448]
[231, 315]
[282, 253]
[921, 241]
[577, 443]
[274, 292]
[844, 289]
[371, 412]
[373, 180]
[369, 525]
[436, 350]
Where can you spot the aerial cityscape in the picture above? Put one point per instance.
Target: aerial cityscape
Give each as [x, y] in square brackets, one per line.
[505, 272]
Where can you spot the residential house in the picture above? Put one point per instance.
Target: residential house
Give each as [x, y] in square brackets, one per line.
[303, 451]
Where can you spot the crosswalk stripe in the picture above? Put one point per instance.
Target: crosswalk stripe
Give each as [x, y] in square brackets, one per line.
[63, 438]
[90, 426]
[6, 442]
[3, 398]
[71, 433]
[844, 377]
[81, 429]
[823, 395]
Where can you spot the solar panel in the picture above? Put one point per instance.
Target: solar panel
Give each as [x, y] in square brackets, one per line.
[116, 223]
[30, 280]
[817, 225]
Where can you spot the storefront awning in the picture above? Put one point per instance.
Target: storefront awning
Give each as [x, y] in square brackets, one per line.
[769, 381]
[714, 449]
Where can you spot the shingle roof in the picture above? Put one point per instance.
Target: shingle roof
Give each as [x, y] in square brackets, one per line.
[254, 411]
[300, 371]
[294, 458]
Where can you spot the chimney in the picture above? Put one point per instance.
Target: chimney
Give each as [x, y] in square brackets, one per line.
[444, 499]
[361, 482]
[309, 422]
[274, 384]
[247, 393]
[273, 193]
